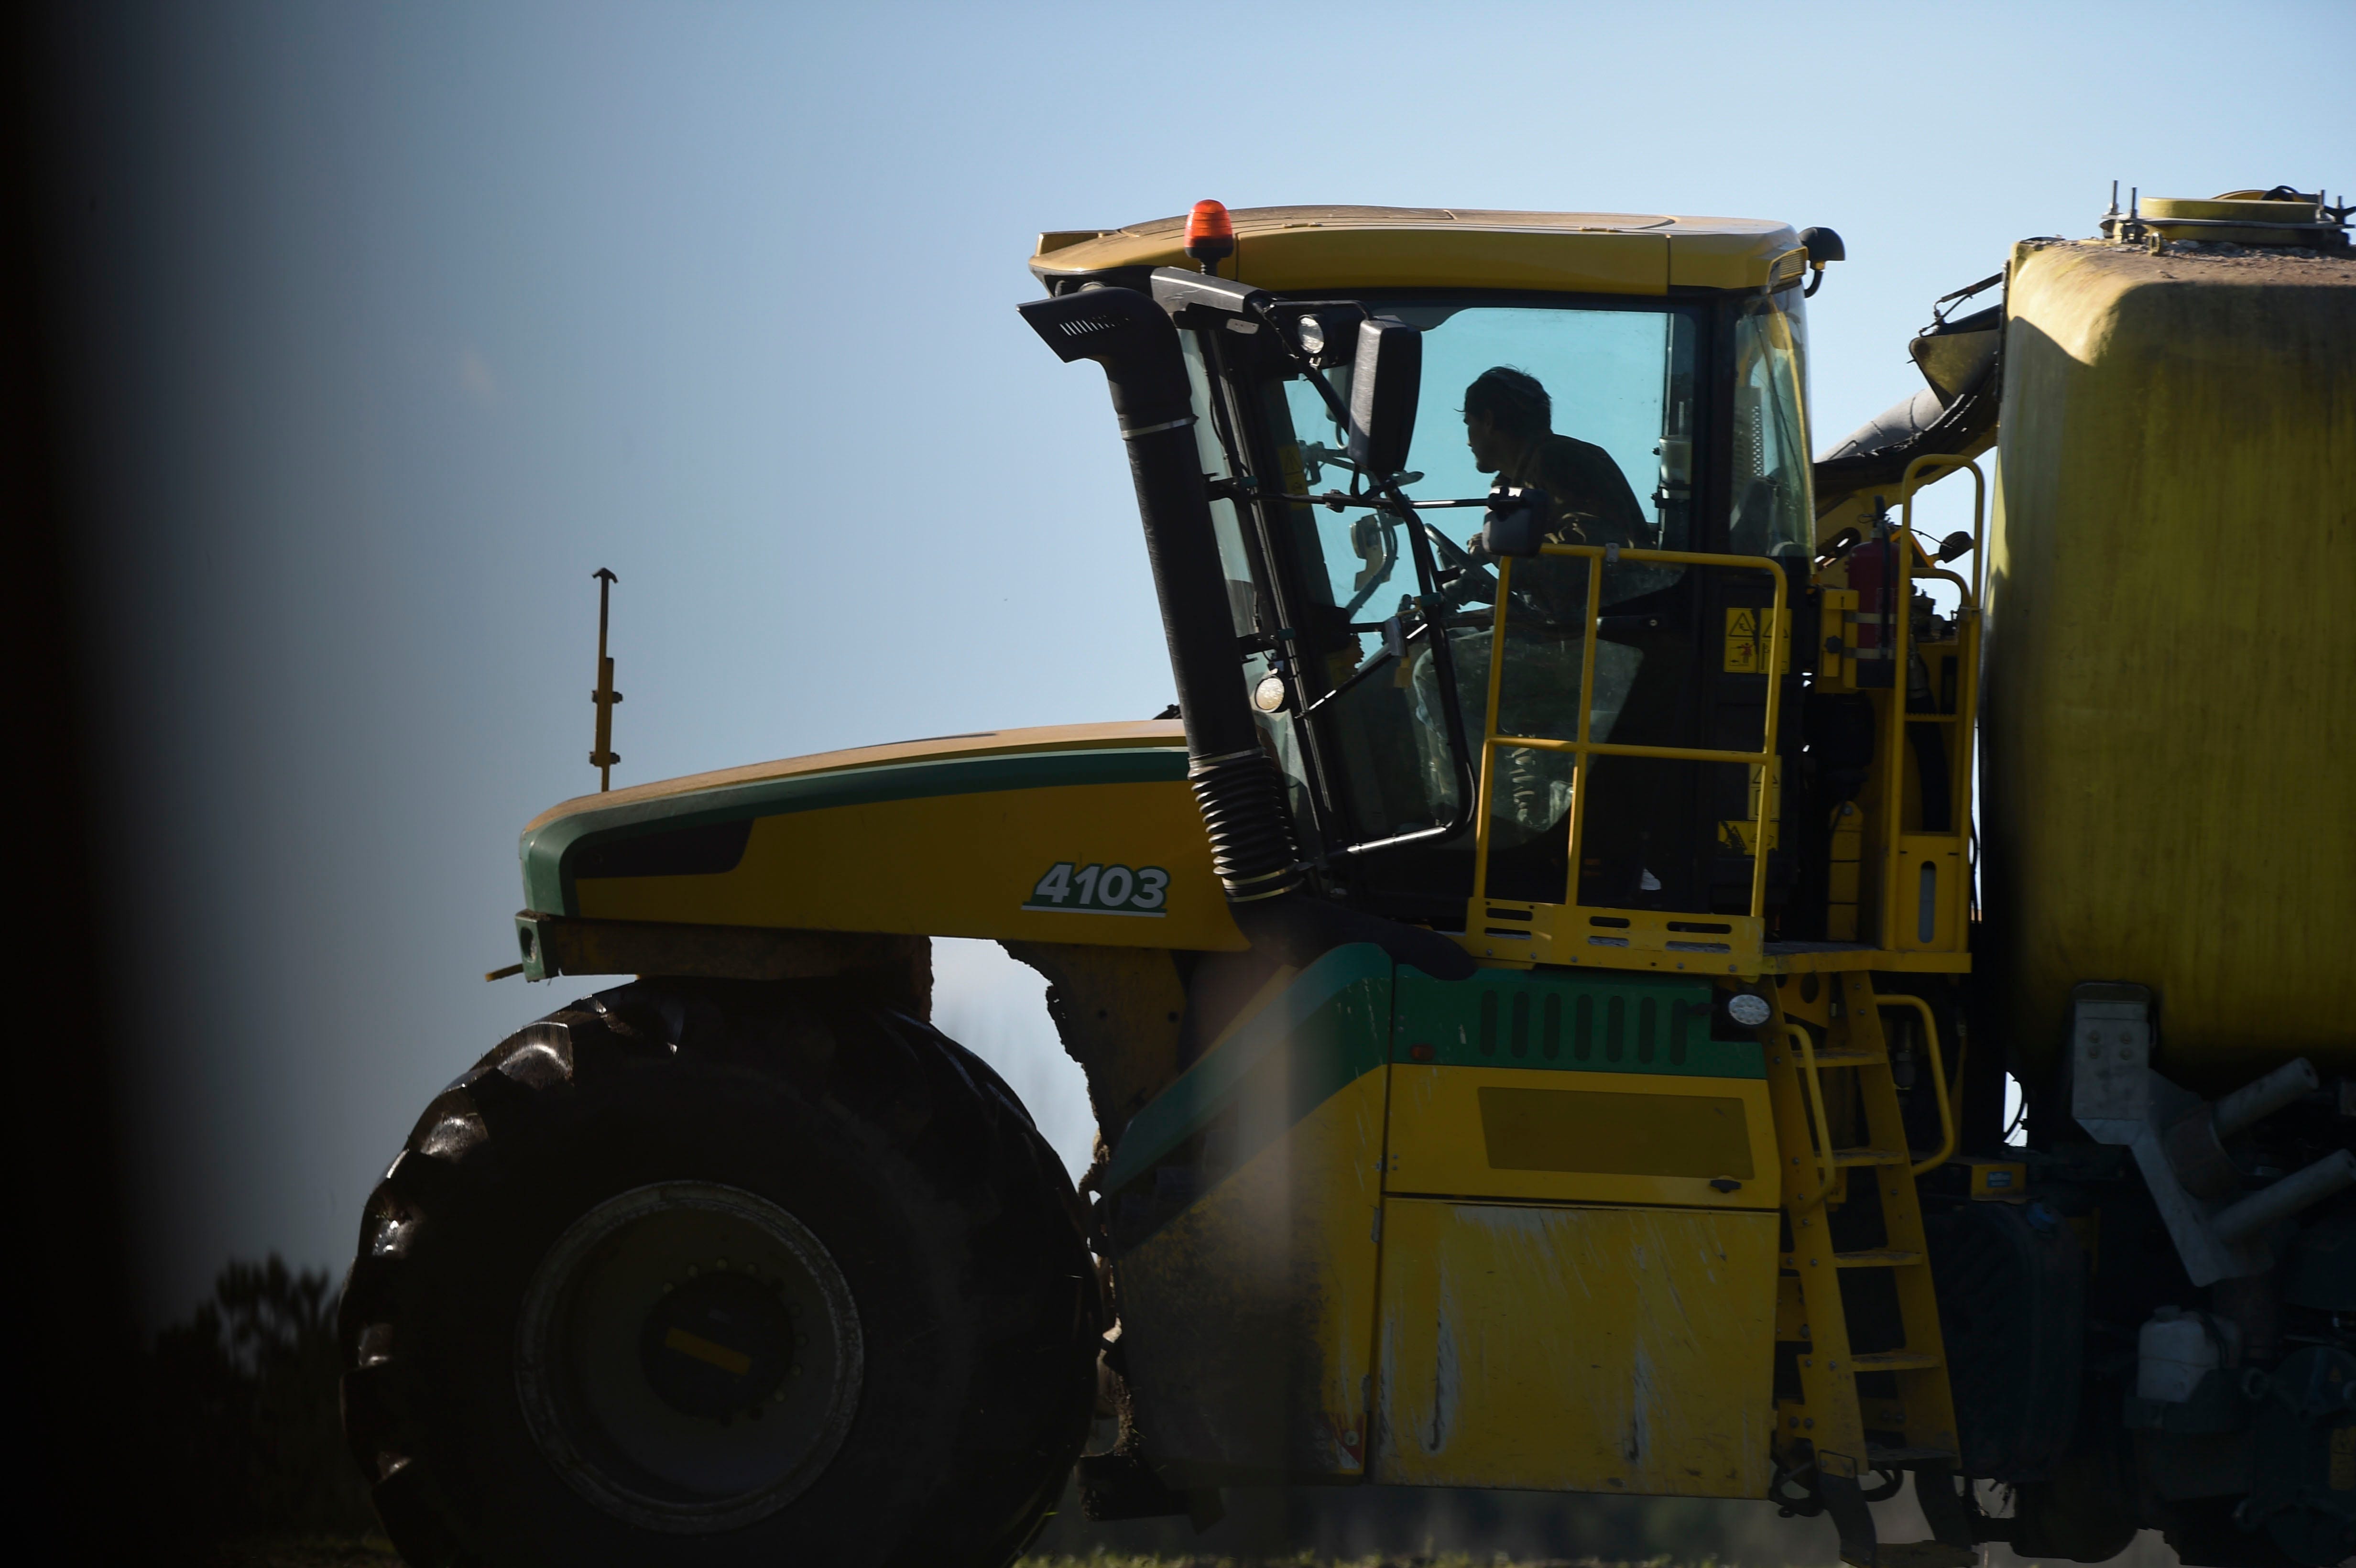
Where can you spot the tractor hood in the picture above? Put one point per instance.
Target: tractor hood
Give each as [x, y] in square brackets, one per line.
[1081, 833]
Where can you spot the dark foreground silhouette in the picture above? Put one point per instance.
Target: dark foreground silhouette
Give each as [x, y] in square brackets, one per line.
[241, 1415]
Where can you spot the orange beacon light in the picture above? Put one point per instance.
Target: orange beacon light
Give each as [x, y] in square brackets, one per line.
[1210, 234]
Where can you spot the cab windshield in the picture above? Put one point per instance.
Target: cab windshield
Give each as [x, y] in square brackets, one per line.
[1605, 406]
[1617, 382]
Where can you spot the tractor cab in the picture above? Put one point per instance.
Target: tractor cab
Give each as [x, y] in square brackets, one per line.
[1525, 661]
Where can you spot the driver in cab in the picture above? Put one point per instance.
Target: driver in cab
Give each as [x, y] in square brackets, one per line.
[1509, 425]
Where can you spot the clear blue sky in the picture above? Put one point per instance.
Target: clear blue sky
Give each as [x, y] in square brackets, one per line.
[406, 319]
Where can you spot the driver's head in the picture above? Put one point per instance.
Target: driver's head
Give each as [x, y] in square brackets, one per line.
[1505, 410]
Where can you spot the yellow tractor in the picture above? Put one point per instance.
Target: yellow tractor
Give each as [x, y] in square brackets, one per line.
[1533, 989]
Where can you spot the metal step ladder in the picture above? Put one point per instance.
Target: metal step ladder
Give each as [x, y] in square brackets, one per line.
[1834, 1435]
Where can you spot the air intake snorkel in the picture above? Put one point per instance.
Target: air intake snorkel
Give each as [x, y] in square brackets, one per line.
[1235, 781]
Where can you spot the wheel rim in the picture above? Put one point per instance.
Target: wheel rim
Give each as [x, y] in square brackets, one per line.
[689, 1357]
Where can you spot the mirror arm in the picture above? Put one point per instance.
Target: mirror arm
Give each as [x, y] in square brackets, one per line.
[1335, 501]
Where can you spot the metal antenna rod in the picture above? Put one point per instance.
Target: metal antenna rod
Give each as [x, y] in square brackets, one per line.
[603, 758]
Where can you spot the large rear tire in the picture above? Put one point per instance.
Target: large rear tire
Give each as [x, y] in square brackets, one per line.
[721, 1274]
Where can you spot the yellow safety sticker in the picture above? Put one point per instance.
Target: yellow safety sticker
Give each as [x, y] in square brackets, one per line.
[1738, 835]
[1748, 632]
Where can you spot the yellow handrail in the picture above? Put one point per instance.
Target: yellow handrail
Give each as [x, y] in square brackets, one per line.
[1938, 1077]
[1807, 1044]
[1962, 586]
[1776, 634]
[1911, 482]
[1898, 637]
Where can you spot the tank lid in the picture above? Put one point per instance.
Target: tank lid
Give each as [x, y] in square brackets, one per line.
[2279, 216]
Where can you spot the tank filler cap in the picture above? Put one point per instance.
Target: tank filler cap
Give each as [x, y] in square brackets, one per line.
[2278, 218]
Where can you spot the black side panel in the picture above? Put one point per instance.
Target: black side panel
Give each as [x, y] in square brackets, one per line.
[708, 850]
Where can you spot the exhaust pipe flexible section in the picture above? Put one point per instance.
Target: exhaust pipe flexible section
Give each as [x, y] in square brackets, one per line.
[1243, 811]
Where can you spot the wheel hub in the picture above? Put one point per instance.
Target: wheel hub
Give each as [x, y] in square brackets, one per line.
[689, 1355]
[718, 1347]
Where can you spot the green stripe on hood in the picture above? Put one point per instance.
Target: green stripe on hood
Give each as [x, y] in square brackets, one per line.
[548, 851]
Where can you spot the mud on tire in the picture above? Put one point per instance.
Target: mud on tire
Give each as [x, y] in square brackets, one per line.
[718, 1273]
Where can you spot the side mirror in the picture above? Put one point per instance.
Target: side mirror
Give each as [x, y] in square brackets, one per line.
[1385, 378]
[1822, 245]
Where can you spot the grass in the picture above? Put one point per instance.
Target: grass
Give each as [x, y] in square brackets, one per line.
[331, 1552]
[1311, 1559]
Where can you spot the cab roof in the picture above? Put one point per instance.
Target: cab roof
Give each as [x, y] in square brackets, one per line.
[1294, 248]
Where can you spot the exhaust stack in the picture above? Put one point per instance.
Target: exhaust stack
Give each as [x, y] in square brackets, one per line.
[1236, 783]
